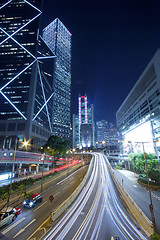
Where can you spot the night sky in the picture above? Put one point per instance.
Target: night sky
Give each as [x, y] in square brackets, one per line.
[112, 43]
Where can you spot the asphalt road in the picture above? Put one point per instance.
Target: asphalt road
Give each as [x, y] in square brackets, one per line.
[98, 213]
[30, 219]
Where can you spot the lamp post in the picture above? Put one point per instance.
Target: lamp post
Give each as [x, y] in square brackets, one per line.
[150, 196]
[42, 168]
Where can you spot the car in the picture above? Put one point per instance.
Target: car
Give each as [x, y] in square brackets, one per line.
[32, 201]
[8, 215]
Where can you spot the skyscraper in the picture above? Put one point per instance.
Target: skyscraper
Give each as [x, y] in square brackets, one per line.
[26, 83]
[58, 38]
[83, 124]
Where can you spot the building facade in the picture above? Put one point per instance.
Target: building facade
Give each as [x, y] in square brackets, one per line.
[19, 25]
[106, 134]
[34, 82]
[138, 118]
[58, 38]
[83, 125]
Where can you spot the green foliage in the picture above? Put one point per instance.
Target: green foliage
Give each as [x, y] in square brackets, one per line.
[56, 147]
[138, 163]
[118, 167]
[155, 236]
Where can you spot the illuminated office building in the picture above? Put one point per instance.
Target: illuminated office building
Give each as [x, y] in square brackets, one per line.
[106, 134]
[83, 125]
[138, 118]
[58, 38]
[26, 75]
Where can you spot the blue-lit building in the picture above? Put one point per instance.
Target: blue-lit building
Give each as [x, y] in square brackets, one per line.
[58, 38]
[26, 75]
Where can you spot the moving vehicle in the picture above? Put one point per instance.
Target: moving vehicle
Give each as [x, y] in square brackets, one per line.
[8, 214]
[33, 200]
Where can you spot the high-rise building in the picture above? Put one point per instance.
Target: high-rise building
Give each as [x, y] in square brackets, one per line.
[26, 75]
[58, 38]
[106, 134]
[83, 124]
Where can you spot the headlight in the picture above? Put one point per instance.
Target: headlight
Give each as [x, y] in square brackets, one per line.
[30, 204]
[24, 202]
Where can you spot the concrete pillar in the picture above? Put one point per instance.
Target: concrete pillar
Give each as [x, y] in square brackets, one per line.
[19, 169]
[30, 169]
[37, 168]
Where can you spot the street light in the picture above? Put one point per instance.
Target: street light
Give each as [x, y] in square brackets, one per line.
[151, 204]
[42, 169]
[149, 190]
[43, 166]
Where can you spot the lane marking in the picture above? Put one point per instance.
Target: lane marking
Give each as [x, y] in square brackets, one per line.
[40, 206]
[56, 194]
[23, 229]
[13, 225]
[67, 177]
[65, 187]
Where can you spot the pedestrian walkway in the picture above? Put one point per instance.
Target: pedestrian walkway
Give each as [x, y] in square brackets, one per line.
[139, 194]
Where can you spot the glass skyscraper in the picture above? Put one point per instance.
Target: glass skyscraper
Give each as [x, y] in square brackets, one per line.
[26, 75]
[58, 38]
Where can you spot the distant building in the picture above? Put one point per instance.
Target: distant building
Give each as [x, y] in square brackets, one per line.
[106, 134]
[58, 38]
[82, 122]
[138, 118]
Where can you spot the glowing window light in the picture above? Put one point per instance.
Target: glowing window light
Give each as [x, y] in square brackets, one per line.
[18, 44]
[13, 105]
[20, 28]
[5, 4]
[17, 75]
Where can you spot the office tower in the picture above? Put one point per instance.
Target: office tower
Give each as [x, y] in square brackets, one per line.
[75, 131]
[58, 38]
[106, 134]
[26, 86]
[138, 118]
[83, 124]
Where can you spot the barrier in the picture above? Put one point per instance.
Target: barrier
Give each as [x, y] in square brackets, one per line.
[133, 207]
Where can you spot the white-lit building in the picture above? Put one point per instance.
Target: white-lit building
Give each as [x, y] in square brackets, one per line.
[83, 125]
[138, 118]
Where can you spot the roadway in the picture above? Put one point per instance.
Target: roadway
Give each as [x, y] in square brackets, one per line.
[140, 194]
[29, 220]
[98, 212]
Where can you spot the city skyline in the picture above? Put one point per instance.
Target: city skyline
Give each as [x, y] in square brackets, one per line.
[112, 42]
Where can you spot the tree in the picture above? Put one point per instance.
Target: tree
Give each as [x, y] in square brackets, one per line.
[56, 147]
[138, 163]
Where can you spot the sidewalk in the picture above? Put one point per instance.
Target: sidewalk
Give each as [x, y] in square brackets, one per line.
[139, 194]
[39, 174]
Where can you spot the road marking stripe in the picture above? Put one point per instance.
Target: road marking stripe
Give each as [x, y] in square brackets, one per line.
[40, 206]
[23, 229]
[56, 194]
[13, 225]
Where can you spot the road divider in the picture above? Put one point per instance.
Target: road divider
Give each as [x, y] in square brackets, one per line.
[133, 207]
